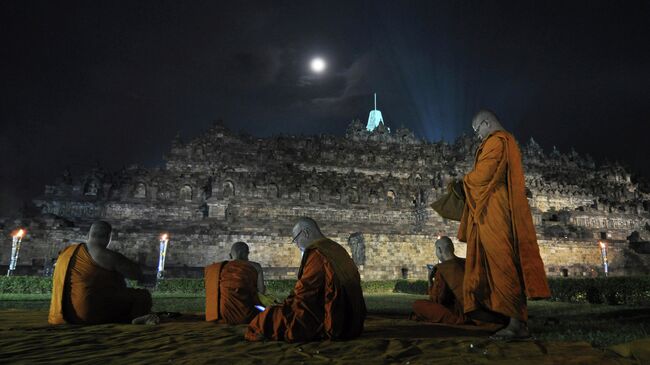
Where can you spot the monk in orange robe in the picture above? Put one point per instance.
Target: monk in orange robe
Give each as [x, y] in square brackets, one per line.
[445, 303]
[503, 265]
[326, 303]
[231, 288]
[88, 285]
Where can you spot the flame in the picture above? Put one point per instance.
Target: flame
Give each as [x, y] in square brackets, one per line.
[164, 237]
[19, 234]
[602, 244]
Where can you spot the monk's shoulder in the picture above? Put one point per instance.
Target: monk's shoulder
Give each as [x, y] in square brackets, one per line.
[242, 264]
[451, 266]
[69, 248]
[444, 265]
[496, 140]
[256, 265]
[315, 257]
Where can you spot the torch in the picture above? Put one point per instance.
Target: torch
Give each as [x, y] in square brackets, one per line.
[603, 254]
[164, 240]
[17, 238]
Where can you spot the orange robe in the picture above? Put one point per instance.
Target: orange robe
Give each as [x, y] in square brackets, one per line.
[85, 293]
[503, 264]
[326, 303]
[231, 292]
[445, 304]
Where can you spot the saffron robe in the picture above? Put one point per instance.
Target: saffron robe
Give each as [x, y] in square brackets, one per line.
[503, 264]
[445, 304]
[326, 303]
[231, 292]
[85, 293]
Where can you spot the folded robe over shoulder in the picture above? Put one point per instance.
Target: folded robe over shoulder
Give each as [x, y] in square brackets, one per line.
[85, 293]
[231, 292]
[503, 262]
[326, 303]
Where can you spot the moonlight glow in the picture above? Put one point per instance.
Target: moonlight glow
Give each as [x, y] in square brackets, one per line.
[318, 65]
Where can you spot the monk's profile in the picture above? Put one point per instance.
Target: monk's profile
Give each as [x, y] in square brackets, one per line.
[503, 265]
[88, 285]
[231, 288]
[326, 302]
[445, 303]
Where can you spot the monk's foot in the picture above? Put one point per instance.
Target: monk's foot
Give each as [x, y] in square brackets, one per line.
[169, 315]
[509, 333]
[149, 319]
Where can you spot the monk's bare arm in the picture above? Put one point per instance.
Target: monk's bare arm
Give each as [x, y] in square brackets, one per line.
[487, 163]
[260, 277]
[126, 267]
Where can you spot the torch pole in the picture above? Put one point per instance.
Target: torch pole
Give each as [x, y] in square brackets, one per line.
[164, 241]
[16, 241]
[603, 254]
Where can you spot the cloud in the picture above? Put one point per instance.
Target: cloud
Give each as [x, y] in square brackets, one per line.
[356, 83]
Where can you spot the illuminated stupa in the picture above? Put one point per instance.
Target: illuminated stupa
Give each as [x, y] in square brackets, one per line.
[374, 118]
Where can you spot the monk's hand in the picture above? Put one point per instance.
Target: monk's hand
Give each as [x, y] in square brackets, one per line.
[147, 281]
[432, 274]
[459, 189]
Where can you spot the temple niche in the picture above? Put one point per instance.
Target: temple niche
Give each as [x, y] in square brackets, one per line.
[186, 193]
[140, 191]
[358, 247]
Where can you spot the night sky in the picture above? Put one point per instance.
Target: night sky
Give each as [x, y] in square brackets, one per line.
[113, 82]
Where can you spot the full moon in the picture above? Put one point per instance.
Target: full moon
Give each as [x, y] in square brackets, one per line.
[318, 65]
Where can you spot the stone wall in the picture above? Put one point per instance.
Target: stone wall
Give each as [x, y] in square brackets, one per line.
[383, 256]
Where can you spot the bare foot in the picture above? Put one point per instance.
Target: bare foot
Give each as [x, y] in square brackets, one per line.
[149, 319]
[515, 330]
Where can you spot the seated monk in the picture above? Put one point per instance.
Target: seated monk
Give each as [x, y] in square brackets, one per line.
[445, 303]
[231, 288]
[88, 285]
[326, 302]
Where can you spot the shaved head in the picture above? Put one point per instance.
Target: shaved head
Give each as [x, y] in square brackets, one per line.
[485, 122]
[239, 251]
[306, 222]
[444, 248]
[306, 231]
[100, 233]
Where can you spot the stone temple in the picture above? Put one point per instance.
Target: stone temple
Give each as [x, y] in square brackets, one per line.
[370, 190]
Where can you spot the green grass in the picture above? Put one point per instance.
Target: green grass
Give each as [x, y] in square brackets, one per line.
[599, 324]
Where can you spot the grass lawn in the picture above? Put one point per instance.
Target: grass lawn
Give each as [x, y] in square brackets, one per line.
[599, 324]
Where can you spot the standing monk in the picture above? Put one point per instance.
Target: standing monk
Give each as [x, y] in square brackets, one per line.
[231, 288]
[88, 285]
[326, 303]
[503, 264]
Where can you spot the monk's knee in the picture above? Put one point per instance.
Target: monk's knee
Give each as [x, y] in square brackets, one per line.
[141, 303]
[420, 304]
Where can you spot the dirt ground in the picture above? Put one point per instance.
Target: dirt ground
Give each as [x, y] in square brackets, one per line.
[25, 337]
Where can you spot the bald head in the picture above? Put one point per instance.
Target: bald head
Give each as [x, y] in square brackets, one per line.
[485, 122]
[239, 251]
[305, 232]
[100, 233]
[444, 249]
